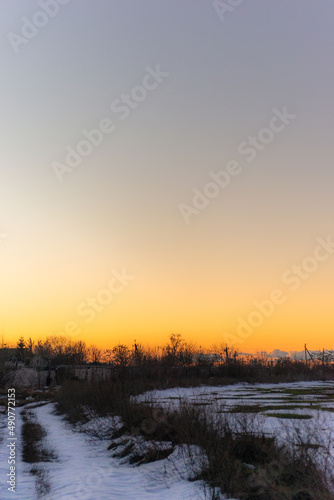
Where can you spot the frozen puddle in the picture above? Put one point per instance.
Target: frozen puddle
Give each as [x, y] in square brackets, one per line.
[296, 394]
[85, 470]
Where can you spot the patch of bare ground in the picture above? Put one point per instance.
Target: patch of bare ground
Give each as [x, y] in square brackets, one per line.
[35, 451]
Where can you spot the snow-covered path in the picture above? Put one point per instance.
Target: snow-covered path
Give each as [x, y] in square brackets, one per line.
[85, 470]
[25, 482]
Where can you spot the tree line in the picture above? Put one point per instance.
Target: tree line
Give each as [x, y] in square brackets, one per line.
[61, 350]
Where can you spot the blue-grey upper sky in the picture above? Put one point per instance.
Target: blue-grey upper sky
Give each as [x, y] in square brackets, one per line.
[218, 75]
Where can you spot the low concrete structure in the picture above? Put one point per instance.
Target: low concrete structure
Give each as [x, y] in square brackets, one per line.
[89, 373]
[28, 377]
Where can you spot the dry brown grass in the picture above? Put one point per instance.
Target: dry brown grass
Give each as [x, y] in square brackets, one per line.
[248, 465]
[32, 436]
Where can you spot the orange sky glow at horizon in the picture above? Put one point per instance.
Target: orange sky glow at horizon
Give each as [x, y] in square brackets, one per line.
[166, 171]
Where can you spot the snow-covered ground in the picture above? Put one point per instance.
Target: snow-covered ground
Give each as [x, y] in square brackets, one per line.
[310, 406]
[84, 468]
[244, 393]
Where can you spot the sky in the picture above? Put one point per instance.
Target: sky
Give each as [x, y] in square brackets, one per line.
[167, 167]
